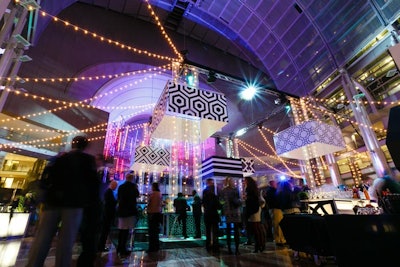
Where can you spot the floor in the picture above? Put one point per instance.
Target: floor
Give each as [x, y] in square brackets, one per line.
[175, 252]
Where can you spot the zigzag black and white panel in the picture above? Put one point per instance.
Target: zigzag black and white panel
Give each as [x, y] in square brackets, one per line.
[248, 165]
[152, 155]
[220, 166]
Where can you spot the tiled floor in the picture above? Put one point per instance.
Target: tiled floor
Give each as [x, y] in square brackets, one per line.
[187, 253]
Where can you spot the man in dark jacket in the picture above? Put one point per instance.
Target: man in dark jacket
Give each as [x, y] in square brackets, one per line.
[127, 212]
[181, 207]
[71, 186]
[110, 204]
[211, 206]
[197, 212]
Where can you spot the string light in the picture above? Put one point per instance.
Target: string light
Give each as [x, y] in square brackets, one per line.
[85, 78]
[163, 32]
[345, 101]
[268, 165]
[337, 116]
[66, 104]
[273, 150]
[108, 40]
[266, 154]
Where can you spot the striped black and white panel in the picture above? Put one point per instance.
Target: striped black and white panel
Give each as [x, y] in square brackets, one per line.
[220, 166]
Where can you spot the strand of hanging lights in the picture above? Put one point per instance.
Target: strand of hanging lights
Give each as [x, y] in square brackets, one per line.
[273, 150]
[33, 142]
[158, 69]
[67, 104]
[345, 101]
[309, 106]
[164, 33]
[105, 39]
[242, 144]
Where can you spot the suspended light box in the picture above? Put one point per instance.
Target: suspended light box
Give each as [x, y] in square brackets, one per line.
[152, 159]
[188, 114]
[221, 167]
[308, 140]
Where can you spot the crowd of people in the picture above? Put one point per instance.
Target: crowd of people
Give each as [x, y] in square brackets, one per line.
[79, 201]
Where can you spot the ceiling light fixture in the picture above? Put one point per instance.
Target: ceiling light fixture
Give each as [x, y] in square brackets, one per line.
[241, 132]
[249, 92]
[211, 77]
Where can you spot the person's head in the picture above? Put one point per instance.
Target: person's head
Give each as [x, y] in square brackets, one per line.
[228, 182]
[79, 142]
[129, 177]
[272, 183]
[100, 160]
[210, 182]
[180, 194]
[155, 187]
[194, 192]
[113, 185]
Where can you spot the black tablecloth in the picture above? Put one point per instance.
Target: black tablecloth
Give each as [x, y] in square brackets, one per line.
[306, 233]
[355, 240]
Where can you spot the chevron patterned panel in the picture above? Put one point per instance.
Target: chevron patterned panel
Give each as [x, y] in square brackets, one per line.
[152, 155]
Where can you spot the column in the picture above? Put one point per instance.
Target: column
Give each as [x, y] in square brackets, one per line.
[371, 142]
[333, 169]
[10, 57]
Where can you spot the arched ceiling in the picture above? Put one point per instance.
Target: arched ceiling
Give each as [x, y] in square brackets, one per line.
[287, 45]
[298, 43]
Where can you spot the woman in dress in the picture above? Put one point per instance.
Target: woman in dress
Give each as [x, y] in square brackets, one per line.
[154, 208]
[254, 204]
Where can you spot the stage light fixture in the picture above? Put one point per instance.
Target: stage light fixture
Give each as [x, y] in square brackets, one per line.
[211, 77]
[219, 142]
[248, 93]
[190, 78]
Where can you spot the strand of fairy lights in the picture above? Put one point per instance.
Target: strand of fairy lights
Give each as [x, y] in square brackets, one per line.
[163, 32]
[241, 143]
[345, 101]
[298, 119]
[354, 152]
[107, 40]
[66, 104]
[266, 154]
[309, 105]
[144, 108]
[70, 133]
[273, 150]
[86, 78]
[33, 142]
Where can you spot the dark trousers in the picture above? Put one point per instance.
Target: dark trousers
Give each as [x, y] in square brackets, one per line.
[212, 236]
[89, 235]
[108, 222]
[259, 235]
[235, 235]
[123, 236]
[154, 220]
[182, 220]
[197, 224]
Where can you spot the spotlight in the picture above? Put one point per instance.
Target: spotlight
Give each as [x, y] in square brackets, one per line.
[211, 77]
[190, 78]
[277, 101]
[248, 93]
[241, 132]
[218, 141]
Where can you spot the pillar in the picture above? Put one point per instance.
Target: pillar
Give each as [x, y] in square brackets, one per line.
[371, 142]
